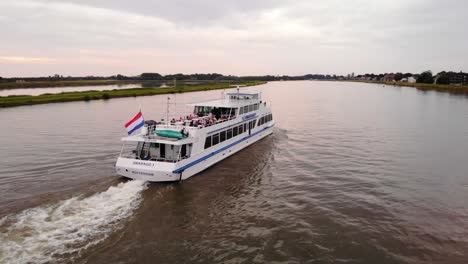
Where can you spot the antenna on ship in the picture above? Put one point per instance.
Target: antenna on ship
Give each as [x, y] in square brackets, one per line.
[167, 111]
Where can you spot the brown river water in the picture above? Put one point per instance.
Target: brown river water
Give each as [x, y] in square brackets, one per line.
[353, 173]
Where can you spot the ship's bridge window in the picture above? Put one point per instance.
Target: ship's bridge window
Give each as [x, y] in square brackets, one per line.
[156, 151]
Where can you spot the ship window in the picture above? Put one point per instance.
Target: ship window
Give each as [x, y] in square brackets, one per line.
[234, 131]
[222, 136]
[208, 142]
[251, 108]
[229, 133]
[254, 122]
[255, 106]
[215, 139]
[183, 151]
[241, 129]
[246, 109]
[241, 111]
[162, 150]
[245, 126]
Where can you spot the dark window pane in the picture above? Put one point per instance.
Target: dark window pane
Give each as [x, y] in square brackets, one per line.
[241, 129]
[222, 136]
[208, 142]
[234, 131]
[215, 139]
[229, 133]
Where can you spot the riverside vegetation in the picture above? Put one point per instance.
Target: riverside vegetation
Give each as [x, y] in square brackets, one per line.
[18, 100]
[45, 84]
[454, 89]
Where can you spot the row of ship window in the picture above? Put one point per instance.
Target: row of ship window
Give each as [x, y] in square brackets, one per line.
[248, 108]
[265, 119]
[235, 131]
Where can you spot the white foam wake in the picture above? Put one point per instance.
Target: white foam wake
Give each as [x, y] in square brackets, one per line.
[48, 233]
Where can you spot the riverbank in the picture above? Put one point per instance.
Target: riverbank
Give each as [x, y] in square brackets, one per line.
[48, 84]
[11, 101]
[455, 89]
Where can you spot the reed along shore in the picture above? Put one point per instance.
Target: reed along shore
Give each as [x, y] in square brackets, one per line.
[18, 100]
[454, 89]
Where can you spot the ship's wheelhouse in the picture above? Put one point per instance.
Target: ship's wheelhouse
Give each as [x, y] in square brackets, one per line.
[156, 151]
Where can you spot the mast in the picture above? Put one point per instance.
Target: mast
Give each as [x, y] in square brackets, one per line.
[167, 111]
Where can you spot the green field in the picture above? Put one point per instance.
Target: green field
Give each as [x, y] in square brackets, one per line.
[455, 89]
[10, 101]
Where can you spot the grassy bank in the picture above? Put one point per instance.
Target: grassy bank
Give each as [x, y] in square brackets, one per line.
[10, 101]
[455, 89]
[48, 84]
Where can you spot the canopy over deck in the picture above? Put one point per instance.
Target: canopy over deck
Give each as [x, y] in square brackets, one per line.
[232, 100]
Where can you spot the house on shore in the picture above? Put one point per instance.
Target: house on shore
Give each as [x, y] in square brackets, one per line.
[389, 77]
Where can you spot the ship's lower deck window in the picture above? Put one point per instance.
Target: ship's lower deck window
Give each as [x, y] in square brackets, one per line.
[215, 139]
[265, 119]
[208, 142]
[228, 134]
[222, 136]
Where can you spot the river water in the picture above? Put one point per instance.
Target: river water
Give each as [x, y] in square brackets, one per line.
[354, 173]
[56, 90]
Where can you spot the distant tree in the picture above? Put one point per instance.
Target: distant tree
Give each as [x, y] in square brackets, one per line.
[398, 76]
[425, 77]
[442, 78]
[151, 76]
[121, 77]
[406, 75]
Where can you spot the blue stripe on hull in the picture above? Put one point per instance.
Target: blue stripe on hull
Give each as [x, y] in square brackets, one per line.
[181, 169]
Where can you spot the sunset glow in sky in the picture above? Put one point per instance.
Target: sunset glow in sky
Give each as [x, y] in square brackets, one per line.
[244, 37]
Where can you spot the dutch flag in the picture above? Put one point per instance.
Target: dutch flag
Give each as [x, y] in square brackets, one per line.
[135, 123]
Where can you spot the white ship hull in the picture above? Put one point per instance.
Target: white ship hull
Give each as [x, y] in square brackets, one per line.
[153, 171]
[177, 151]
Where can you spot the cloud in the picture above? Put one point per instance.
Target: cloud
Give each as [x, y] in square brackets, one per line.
[238, 37]
[10, 59]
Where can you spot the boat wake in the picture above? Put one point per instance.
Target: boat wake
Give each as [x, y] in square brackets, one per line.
[53, 232]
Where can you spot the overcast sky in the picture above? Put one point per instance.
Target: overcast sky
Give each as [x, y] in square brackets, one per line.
[242, 37]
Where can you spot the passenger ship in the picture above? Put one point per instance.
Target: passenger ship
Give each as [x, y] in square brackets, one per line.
[177, 150]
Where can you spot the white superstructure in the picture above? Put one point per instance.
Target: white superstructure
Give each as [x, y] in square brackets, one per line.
[177, 150]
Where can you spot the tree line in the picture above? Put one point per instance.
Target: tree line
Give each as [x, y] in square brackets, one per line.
[149, 76]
